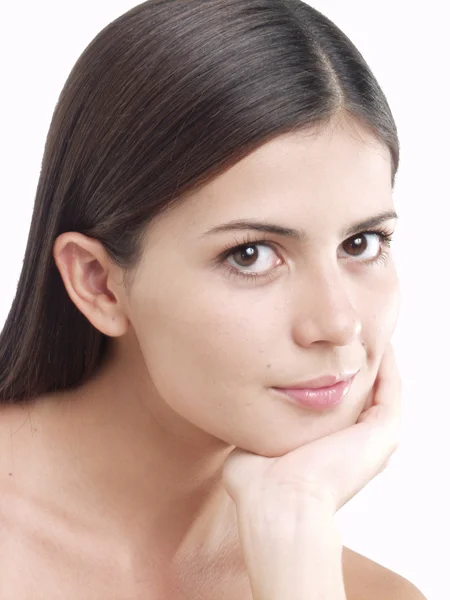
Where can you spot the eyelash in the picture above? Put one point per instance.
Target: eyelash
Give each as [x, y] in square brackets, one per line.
[385, 236]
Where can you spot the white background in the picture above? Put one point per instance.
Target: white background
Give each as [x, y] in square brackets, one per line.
[401, 518]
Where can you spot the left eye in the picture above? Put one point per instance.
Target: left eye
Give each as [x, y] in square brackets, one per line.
[358, 243]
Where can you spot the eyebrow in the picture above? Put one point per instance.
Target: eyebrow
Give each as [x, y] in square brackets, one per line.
[300, 234]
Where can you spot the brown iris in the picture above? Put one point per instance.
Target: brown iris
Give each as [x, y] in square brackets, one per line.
[248, 253]
[358, 243]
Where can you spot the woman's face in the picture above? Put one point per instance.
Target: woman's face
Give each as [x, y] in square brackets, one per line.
[217, 332]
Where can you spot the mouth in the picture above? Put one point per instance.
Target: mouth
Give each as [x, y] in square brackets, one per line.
[319, 398]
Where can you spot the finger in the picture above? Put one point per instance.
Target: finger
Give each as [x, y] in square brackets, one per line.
[386, 410]
[383, 419]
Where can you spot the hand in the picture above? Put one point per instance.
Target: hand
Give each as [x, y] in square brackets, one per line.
[332, 469]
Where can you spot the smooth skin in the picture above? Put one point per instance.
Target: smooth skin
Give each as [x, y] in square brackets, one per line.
[115, 489]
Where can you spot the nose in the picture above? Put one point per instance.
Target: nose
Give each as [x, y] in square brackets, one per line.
[325, 310]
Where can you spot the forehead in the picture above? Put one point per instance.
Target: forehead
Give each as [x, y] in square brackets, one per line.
[336, 173]
[311, 161]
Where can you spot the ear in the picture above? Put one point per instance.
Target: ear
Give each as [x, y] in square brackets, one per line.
[92, 281]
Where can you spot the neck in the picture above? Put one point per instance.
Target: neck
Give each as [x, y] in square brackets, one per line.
[118, 457]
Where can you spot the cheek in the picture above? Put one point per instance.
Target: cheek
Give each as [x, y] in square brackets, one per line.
[384, 308]
[201, 352]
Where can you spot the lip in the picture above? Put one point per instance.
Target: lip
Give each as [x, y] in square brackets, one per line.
[319, 398]
[322, 382]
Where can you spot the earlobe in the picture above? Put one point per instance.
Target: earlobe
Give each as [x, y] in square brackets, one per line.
[86, 273]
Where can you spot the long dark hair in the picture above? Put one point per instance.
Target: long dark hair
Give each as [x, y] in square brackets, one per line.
[165, 98]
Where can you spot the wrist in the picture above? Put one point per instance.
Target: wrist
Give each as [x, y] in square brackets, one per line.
[285, 508]
[293, 551]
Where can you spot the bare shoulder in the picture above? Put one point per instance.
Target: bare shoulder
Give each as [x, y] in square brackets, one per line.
[365, 579]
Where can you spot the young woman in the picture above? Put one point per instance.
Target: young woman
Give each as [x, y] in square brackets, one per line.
[209, 245]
